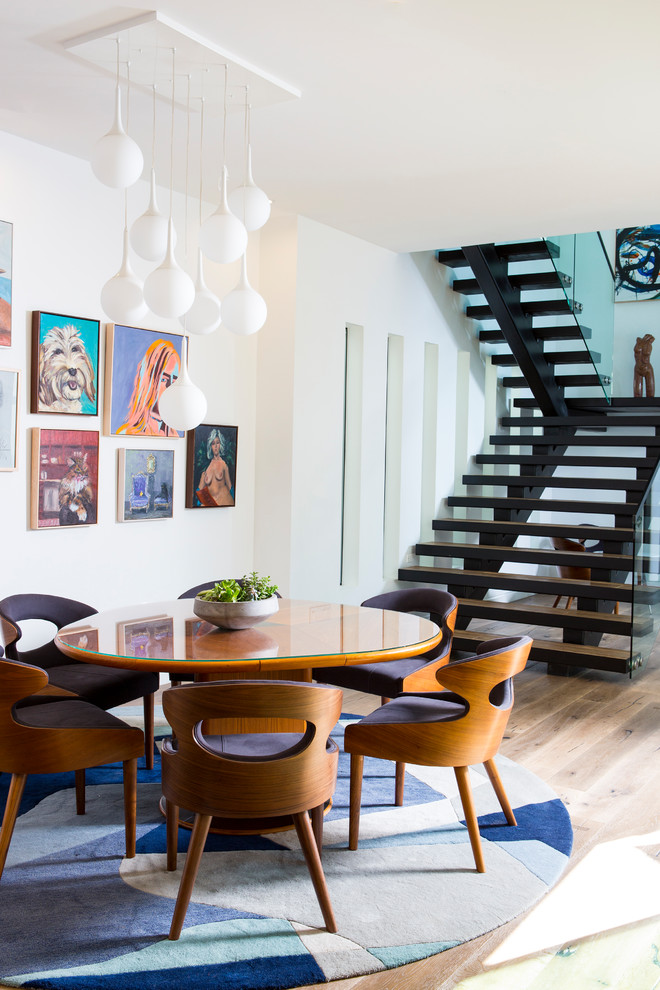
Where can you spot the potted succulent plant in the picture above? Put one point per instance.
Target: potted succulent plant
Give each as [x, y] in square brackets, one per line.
[232, 604]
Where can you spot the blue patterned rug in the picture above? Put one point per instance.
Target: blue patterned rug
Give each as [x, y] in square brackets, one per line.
[74, 914]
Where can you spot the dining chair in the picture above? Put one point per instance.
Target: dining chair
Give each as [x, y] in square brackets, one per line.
[457, 728]
[391, 677]
[237, 767]
[55, 735]
[106, 687]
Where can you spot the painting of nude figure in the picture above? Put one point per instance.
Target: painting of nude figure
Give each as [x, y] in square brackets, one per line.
[211, 466]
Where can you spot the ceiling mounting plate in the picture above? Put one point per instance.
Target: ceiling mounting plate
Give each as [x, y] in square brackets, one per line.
[146, 42]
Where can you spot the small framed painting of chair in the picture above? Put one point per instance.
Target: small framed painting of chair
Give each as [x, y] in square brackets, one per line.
[145, 484]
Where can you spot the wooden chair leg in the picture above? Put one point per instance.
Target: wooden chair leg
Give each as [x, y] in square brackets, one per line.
[317, 827]
[557, 601]
[189, 875]
[465, 791]
[80, 792]
[498, 787]
[172, 834]
[16, 788]
[313, 860]
[357, 765]
[130, 805]
[148, 702]
[399, 776]
[384, 700]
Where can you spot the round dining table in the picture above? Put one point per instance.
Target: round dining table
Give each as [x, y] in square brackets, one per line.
[168, 637]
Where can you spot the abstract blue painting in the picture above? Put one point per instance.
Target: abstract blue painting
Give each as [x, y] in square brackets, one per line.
[637, 263]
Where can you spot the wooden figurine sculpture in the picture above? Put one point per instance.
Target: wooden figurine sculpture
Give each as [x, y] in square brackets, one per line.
[643, 371]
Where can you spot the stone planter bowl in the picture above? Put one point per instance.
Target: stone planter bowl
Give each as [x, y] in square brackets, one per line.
[235, 615]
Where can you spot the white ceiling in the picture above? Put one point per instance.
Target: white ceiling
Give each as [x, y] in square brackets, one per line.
[421, 123]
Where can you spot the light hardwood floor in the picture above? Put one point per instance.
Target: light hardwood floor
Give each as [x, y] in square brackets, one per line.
[595, 738]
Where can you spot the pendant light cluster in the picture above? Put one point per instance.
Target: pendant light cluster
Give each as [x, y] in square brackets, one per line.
[168, 290]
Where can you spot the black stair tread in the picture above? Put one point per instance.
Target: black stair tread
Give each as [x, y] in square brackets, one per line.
[571, 439]
[567, 332]
[551, 651]
[553, 481]
[545, 615]
[627, 420]
[532, 555]
[527, 281]
[564, 381]
[536, 250]
[569, 460]
[546, 505]
[617, 403]
[452, 258]
[610, 534]
[552, 357]
[532, 583]
[538, 307]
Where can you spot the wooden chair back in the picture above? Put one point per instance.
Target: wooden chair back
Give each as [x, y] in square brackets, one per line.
[572, 571]
[49, 608]
[441, 607]
[198, 777]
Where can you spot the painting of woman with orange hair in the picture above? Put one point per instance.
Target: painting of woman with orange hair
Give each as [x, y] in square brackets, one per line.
[140, 365]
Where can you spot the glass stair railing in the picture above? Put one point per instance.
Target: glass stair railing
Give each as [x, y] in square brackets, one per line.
[584, 270]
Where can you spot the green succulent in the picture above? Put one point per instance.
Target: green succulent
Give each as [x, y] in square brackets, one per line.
[250, 588]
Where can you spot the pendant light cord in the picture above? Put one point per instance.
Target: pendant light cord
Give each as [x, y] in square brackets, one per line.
[185, 216]
[201, 149]
[172, 142]
[224, 121]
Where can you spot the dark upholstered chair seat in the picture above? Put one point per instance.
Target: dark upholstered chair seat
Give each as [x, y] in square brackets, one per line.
[385, 679]
[54, 713]
[441, 707]
[260, 746]
[106, 687]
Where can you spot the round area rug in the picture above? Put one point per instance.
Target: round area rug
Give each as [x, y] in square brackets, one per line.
[74, 914]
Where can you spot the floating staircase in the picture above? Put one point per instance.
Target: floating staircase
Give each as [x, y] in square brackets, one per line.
[580, 458]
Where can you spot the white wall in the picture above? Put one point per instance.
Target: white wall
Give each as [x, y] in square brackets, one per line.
[283, 387]
[67, 243]
[340, 279]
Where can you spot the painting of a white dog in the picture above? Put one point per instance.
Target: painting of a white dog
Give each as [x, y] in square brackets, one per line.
[66, 372]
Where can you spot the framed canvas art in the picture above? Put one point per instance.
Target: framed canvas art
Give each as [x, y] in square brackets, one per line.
[637, 263]
[211, 466]
[65, 364]
[9, 388]
[145, 481]
[64, 478]
[139, 365]
[6, 252]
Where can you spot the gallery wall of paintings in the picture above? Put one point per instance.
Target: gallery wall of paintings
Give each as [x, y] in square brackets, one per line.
[64, 380]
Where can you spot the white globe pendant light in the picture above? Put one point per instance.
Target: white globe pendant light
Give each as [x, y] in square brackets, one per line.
[243, 310]
[182, 406]
[122, 297]
[249, 201]
[168, 290]
[116, 158]
[223, 238]
[205, 313]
